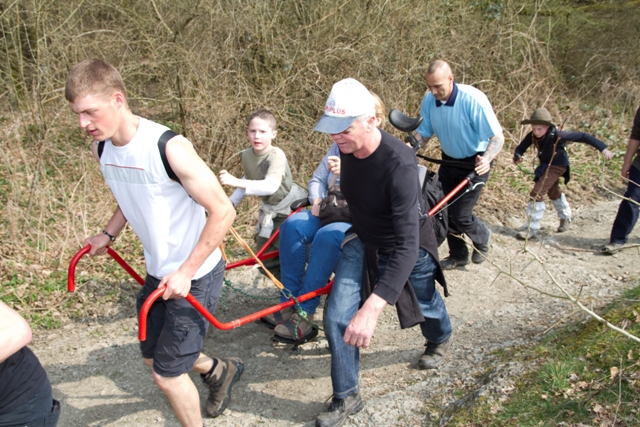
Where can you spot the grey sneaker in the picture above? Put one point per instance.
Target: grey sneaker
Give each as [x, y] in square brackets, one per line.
[220, 382]
[339, 409]
[434, 355]
[527, 235]
[611, 248]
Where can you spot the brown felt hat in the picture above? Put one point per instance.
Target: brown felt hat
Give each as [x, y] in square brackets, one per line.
[541, 116]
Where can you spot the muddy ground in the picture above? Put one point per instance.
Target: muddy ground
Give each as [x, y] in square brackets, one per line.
[98, 376]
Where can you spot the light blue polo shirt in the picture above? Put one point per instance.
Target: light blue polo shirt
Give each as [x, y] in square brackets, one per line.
[464, 124]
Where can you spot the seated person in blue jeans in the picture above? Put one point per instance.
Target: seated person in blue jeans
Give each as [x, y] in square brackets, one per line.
[302, 229]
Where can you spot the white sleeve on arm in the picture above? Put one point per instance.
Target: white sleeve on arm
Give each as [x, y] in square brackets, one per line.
[263, 187]
[237, 196]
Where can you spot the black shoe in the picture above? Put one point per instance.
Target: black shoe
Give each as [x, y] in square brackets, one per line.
[339, 409]
[220, 382]
[449, 263]
[434, 355]
[480, 252]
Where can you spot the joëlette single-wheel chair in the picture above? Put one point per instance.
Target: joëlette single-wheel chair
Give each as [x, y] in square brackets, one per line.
[398, 120]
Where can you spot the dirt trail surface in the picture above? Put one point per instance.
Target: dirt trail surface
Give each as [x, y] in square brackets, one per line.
[97, 373]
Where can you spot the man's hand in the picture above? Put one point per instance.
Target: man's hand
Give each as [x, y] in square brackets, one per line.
[315, 207]
[624, 171]
[334, 164]
[98, 243]
[360, 329]
[178, 285]
[482, 165]
[607, 154]
[227, 179]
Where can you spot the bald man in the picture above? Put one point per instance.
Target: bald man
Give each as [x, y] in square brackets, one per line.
[462, 118]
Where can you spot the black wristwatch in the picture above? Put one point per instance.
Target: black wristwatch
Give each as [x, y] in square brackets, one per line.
[111, 236]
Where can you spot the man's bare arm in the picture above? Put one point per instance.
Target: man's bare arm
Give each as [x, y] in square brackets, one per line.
[632, 149]
[15, 332]
[203, 186]
[483, 163]
[422, 141]
[100, 241]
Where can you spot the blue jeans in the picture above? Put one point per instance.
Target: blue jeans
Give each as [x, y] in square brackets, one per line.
[296, 233]
[344, 302]
[627, 212]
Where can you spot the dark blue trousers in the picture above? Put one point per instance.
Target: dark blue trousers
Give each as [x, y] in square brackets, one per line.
[627, 212]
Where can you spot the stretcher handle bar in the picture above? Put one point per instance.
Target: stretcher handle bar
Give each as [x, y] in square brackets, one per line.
[144, 311]
[453, 192]
[71, 273]
[252, 261]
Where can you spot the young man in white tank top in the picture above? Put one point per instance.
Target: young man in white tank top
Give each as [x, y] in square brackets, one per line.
[180, 241]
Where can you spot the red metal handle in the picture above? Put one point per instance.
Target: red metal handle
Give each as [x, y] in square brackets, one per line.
[71, 273]
[158, 292]
[144, 311]
[434, 210]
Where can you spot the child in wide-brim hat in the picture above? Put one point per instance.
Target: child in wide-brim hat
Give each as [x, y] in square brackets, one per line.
[551, 144]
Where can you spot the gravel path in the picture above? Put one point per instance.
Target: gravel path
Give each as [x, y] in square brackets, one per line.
[97, 373]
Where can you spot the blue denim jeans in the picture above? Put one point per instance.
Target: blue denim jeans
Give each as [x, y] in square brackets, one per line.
[627, 212]
[344, 302]
[296, 233]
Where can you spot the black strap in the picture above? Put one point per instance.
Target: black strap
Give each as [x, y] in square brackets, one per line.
[162, 146]
[461, 165]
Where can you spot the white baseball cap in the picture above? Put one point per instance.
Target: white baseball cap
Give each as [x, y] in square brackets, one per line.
[348, 100]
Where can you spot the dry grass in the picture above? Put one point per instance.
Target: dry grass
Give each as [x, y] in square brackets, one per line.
[201, 67]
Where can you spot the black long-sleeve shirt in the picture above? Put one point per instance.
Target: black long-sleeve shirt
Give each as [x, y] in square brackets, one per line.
[387, 210]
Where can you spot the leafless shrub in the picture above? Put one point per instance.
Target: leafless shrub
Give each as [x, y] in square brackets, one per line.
[201, 67]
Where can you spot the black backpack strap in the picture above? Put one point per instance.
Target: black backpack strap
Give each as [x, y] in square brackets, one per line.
[162, 146]
[100, 148]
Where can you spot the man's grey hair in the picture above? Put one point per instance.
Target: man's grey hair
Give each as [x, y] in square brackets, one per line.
[364, 117]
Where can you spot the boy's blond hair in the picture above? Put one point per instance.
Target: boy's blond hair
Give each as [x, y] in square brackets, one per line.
[265, 115]
[93, 77]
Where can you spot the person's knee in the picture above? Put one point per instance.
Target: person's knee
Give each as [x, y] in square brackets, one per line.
[160, 381]
[148, 362]
[326, 238]
[164, 383]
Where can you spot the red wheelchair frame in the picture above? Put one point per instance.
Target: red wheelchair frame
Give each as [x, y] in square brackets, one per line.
[262, 255]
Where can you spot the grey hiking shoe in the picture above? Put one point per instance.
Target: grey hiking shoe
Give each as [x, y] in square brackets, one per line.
[611, 248]
[434, 355]
[564, 226]
[449, 263]
[220, 382]
[339, 409]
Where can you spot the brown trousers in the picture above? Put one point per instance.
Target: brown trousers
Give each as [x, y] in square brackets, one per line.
[549, 185]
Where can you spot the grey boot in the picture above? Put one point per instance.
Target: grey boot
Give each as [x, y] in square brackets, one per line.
[564, 212]
[535, 212]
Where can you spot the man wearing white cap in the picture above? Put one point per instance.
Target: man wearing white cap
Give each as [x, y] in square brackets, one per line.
[391, 259]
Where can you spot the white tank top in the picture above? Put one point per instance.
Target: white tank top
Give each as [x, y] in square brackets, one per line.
[160, 211]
